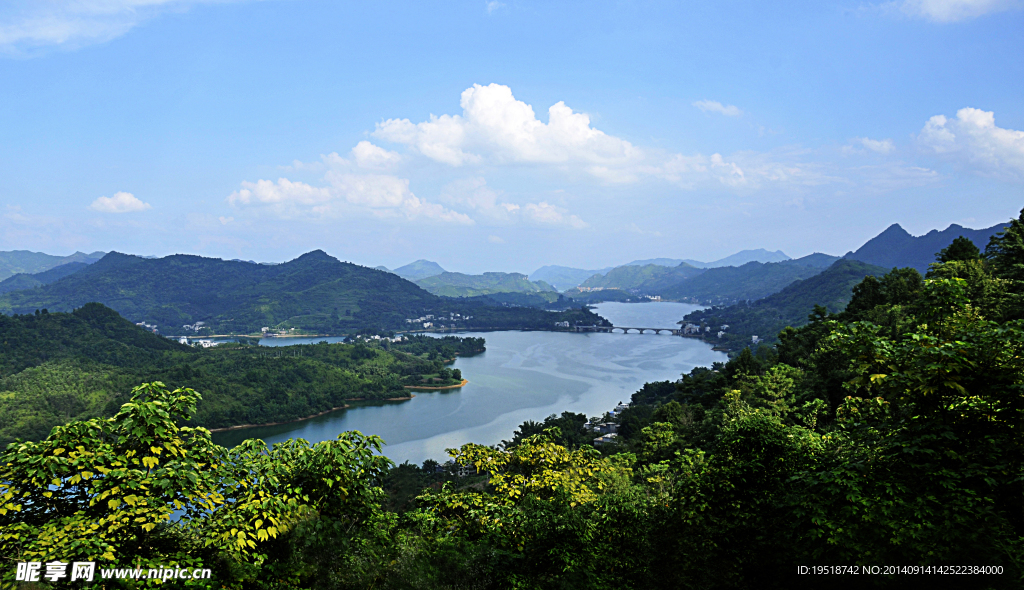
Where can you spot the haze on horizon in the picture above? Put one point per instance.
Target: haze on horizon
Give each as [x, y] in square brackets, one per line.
[504, 136]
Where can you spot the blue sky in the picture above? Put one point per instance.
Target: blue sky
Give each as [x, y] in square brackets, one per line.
[503, 135]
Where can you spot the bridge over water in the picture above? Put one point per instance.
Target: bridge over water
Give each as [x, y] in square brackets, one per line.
[625, 329]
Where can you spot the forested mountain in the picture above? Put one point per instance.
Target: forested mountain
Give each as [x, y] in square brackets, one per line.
[564, 277]
[817, 260]
[766, 317]
[896, 248]
[315, 292]
[744, 256]
[27, 281]
[56, 367]
[456, 284]
[886, 434]
[632, 277]
[729, 284]
[737, 259]
[25, 262]
[658, 261]
[420, 269]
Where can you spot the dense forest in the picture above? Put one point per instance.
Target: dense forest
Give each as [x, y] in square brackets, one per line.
[59, 367]
[885, 435]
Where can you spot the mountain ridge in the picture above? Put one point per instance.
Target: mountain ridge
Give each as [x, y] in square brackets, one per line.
[895, 247]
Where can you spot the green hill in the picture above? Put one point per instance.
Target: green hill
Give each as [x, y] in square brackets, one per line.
[456, 284]
[633, 277]
[564, 277]
[420, 269]
[22, 281]
[57, 367]
[729, 284]
[791, 306]
[313, 293]
[25, 262]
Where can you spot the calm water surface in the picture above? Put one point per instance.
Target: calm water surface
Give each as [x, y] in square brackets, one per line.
[522, 376]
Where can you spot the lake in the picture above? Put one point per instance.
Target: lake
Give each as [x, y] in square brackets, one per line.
[522, 376]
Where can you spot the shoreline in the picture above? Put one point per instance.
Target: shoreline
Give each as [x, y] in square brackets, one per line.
[311, 416]
[414, 387]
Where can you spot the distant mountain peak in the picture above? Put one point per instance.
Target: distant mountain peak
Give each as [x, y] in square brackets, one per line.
[420, 269]
[316, 255]
[895, 247]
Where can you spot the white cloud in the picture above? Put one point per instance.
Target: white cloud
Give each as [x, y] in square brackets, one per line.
[494, 5]
[973, 137]
[495, 240]
[546, 214]
[713, 106]
[636, 229]
[947, 11]
[29, 24]
[378, 194]
[367, 155]
[881, 146]
[225, 220]
[121, 202]
[283, 192]
[494, 126]
[490, 205]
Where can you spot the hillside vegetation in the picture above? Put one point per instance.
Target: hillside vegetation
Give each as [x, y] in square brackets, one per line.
[729, 284]
[22, 281]
[830, 290]
[56, 367]
[886, 436]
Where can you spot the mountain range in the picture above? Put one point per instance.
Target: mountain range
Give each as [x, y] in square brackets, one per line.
[895, 247]
[25, 262]
[456, 284]
[22, 281]
[314, 292]
[790, 306]
[415, 271]
[564, 277]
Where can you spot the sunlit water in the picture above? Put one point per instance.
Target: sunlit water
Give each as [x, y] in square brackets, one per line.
[522, 376]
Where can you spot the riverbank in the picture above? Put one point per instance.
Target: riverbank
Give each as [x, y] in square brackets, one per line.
[456, 386]
[318, 414]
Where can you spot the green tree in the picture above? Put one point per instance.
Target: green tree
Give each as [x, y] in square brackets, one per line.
[104, 490]
[924, 464]
[960, 249]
